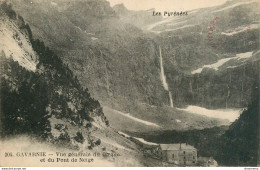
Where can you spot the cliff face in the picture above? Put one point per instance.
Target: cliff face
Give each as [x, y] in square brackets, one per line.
[39, 94]
[115, 52]
[45, 95]
[239, 146]
[42, 99]
[116, 61]
[213, 53]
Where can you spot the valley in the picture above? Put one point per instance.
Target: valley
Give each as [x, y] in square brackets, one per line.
[91, 77]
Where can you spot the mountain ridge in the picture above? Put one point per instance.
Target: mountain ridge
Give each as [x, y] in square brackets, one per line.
[49, 76]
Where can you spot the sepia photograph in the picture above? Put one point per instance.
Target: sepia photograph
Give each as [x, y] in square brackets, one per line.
[129, 83]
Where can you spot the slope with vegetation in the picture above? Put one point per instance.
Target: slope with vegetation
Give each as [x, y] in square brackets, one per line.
[236, 145]
[36, 87]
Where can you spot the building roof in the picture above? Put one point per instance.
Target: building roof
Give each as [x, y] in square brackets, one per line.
[179, 146]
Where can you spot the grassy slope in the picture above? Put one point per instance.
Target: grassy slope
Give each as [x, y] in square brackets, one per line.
[236, 145]
[165, 117]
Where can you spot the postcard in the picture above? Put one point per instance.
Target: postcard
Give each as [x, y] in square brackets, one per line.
[129, 83]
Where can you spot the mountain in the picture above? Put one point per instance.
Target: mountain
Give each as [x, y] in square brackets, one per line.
[69, 69]
[36, 87]
[212, 49]
[138, 18]
[105, 47]
[115, 60]
[147, 118]
[239, 146]
[42, 101]
[236, 145]
[108, 54]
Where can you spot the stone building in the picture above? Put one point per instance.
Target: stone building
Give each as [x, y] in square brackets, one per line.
[180, 154]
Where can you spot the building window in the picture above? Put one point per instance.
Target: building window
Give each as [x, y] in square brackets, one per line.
[172, 155]
[184, 157]
[184, 152]
[193, 157]
[193, 162]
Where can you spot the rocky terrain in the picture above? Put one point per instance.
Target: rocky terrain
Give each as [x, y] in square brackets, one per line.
[234, 145]
[82, 73]
[42, 101]
[119, 62]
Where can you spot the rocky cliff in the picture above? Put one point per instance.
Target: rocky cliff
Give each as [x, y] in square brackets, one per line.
[39, 94]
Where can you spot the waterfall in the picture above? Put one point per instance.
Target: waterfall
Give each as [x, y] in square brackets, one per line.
[170, 97]
[163, 78]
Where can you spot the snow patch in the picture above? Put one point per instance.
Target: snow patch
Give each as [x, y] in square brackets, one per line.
[136, 119]
[229, 114]
[240, 29]
[244, 55]
[144, 141]
[139, 139]
[123, 134]
[220, 62]
[140, 120]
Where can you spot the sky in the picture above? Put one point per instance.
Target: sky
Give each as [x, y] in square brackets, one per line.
[167, 5]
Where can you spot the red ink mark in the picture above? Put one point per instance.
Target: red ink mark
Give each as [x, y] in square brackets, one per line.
[213, 42]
